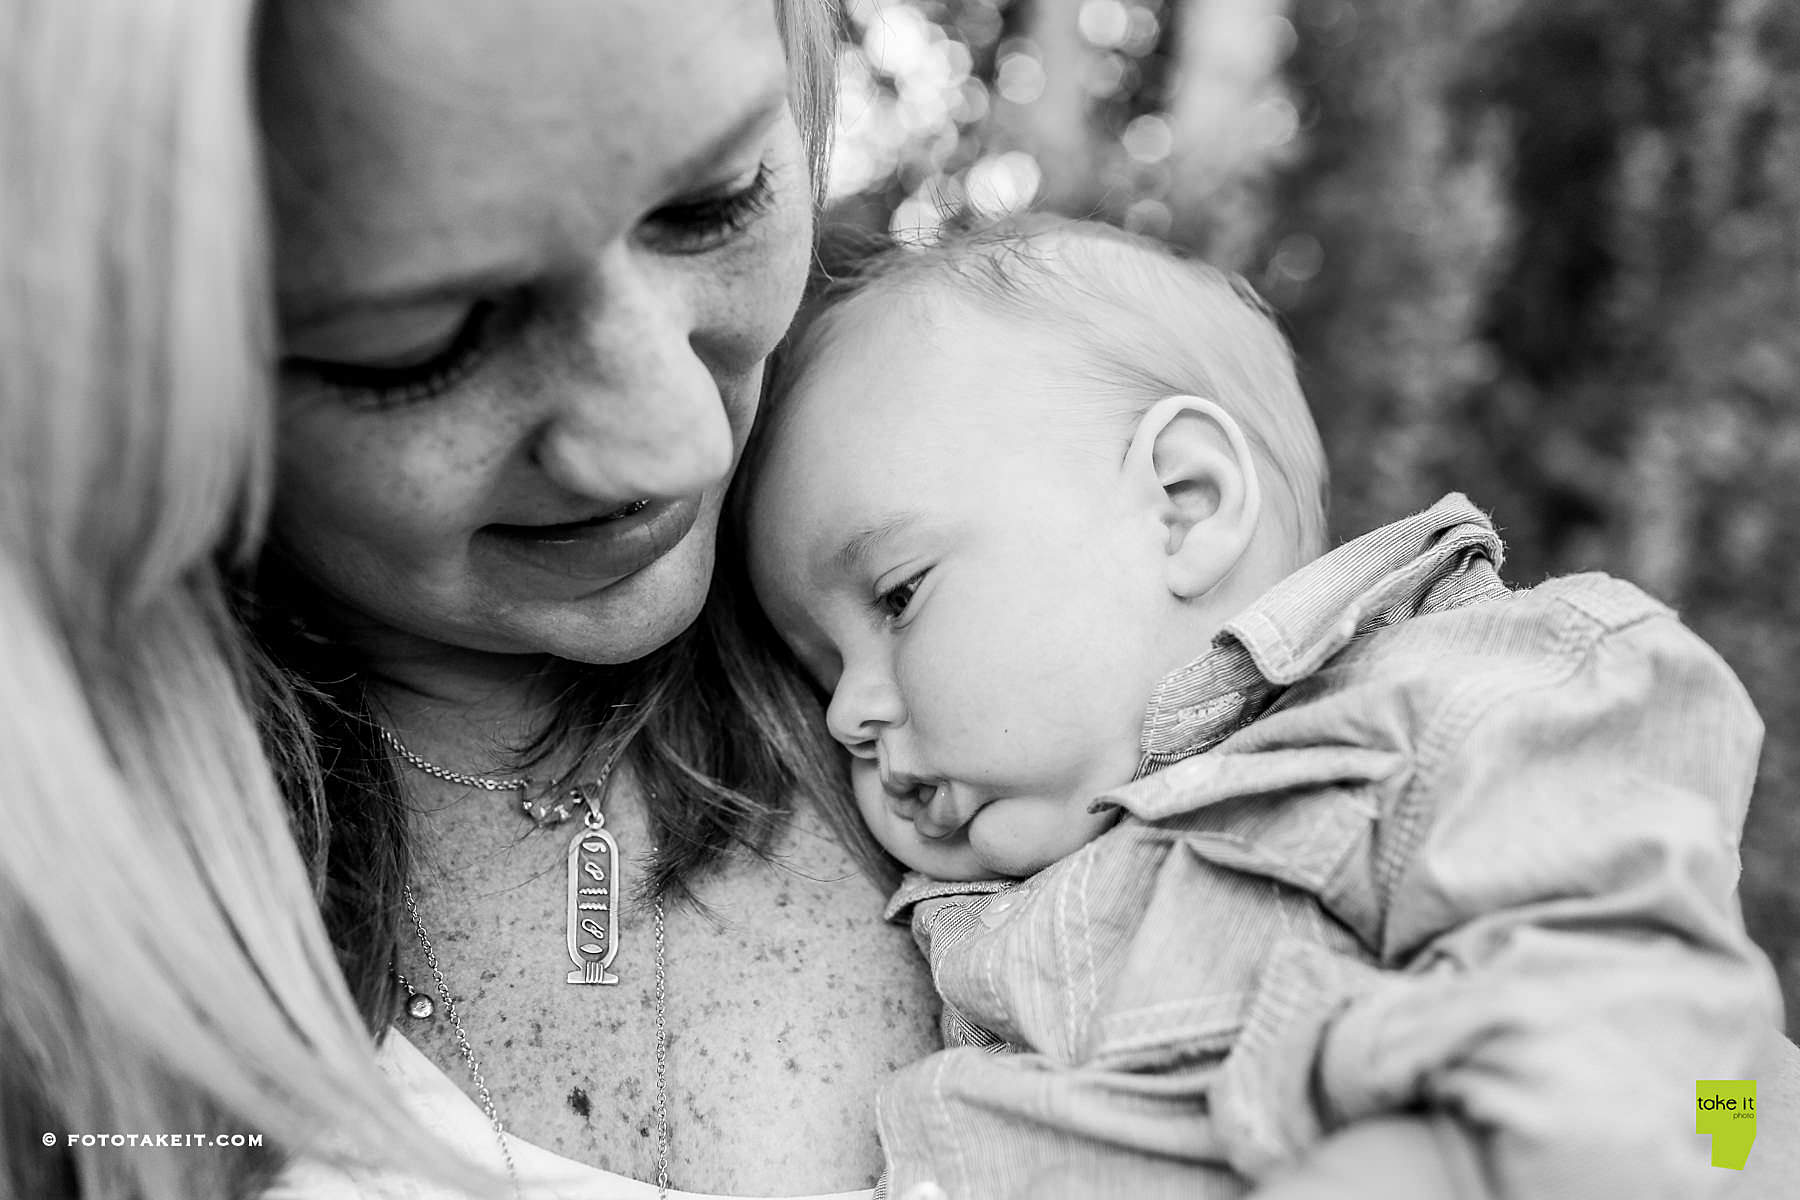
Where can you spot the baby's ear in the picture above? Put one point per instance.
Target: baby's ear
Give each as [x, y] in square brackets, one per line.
[1190, 462]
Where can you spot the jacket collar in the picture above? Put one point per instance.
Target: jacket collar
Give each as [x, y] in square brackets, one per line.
[1444, 557]
[915, 887]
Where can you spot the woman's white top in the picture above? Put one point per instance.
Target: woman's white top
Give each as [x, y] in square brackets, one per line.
[442, 1109]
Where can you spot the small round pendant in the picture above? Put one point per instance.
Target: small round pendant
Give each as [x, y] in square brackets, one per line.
[419, 1006]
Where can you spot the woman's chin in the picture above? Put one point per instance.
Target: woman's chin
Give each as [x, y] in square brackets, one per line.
[498, 613]
[633, 617]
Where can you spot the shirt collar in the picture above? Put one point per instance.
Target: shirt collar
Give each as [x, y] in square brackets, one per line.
[1425, 563]
[916, 887]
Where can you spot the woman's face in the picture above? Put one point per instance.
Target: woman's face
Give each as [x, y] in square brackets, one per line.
[530, 259]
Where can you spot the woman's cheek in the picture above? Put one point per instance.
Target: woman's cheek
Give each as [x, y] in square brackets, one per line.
[755, 288]
[377, 479]
[761, 294]
[758, 305]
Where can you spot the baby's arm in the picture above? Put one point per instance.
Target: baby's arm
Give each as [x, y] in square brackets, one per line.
[1383, 1158]
[1555, 882]
[1393, 1157]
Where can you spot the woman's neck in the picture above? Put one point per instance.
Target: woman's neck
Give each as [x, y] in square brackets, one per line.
[475, 708]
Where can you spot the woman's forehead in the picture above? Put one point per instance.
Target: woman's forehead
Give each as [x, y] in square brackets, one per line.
[410, 135]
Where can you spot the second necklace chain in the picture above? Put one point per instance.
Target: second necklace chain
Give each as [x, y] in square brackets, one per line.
[591, 925]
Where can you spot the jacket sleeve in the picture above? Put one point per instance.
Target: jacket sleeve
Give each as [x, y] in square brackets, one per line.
[1550, 894]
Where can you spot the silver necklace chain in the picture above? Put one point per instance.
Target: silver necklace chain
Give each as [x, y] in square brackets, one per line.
[462, 1038]
[662, 1059]
[489, 783]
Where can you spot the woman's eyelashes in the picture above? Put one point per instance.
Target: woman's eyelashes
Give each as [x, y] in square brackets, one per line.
[417, 377]
[705, 222]
[691, 226]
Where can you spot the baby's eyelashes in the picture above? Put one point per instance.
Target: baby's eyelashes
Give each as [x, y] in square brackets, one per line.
[893, 602]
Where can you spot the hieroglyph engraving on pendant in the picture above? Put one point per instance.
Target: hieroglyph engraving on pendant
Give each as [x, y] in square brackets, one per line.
[593, 921]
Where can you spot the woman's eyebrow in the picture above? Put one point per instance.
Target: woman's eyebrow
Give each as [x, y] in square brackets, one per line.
[304, 308]
[853, 556]
[752, 121]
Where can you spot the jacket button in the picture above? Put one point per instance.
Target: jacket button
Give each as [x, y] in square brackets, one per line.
[996, 911]
[925, 1191]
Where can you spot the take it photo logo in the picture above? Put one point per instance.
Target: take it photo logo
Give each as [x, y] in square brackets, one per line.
[1726, 1108]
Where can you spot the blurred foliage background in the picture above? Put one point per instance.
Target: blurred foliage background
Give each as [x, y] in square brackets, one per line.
[1546, 252]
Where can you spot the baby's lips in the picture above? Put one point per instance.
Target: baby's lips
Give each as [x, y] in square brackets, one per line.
[905, 805]
[943, 815]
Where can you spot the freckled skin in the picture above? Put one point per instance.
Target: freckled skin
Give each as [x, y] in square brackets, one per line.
[634, 368]
[741, 1043]
[418, 141]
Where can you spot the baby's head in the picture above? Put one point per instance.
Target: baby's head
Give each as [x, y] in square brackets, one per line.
[1003, 487]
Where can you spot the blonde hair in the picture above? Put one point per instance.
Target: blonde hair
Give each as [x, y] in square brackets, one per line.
[165, 966]
[809, 33]
[1140, 323]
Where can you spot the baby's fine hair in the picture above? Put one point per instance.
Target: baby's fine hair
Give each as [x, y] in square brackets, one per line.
[1139, 320]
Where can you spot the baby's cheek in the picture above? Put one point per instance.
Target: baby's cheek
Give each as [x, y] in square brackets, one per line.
[895, 833]
[871, 800]
[1021, 837]
[949, 858]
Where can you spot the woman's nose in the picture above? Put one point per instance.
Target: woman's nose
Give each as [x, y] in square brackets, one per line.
[642, 416]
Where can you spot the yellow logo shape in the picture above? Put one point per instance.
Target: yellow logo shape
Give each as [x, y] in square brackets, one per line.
[1726, 1108]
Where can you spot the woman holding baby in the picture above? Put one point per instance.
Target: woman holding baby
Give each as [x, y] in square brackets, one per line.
[523, 265]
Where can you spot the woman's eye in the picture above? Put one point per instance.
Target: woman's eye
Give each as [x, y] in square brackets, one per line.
[706, 222]
[894, 602]
[413, 378]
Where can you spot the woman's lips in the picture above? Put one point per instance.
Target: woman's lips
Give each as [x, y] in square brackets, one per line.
[564, 529]
[601, 550]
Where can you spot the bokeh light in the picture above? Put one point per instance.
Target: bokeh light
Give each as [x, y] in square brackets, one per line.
[958, 111]
[1004, 184]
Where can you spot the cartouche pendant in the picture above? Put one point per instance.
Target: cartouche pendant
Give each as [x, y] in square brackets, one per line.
[593, 886]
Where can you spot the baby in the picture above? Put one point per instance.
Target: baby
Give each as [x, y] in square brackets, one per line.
[1220, 843]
